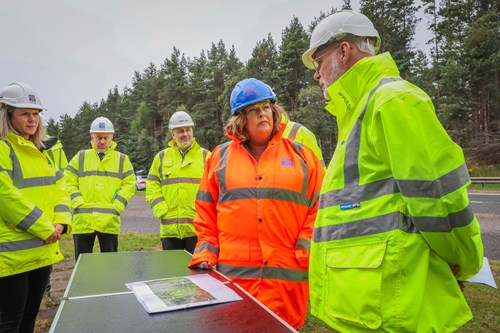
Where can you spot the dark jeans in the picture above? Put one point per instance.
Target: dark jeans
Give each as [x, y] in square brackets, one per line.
[20, 298]
[188, 243]
[84, 243]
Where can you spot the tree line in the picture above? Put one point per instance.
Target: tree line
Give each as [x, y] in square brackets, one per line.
[460, 73]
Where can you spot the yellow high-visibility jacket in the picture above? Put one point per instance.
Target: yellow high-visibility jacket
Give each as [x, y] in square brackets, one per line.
[171, 188]
[56, 153]
[99, 190]
[33, 198]
[301, 134]
[394, 211]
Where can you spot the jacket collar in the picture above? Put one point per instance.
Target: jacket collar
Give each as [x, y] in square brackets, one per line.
[353, 85]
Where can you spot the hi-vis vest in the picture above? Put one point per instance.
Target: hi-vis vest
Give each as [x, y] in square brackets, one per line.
[394, 212]
[254, 221]
[32, 199]
[299, 133]
[171, 188]
[99, 190]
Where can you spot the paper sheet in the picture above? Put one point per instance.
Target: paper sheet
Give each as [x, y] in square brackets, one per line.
[485, 276]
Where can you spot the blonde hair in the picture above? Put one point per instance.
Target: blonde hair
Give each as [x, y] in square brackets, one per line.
[6, 126]
[237, 123]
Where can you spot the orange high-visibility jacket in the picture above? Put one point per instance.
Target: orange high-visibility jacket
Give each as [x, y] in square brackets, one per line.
[254, 221]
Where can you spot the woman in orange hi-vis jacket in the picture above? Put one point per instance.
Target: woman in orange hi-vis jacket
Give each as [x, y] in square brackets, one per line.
[257, 203]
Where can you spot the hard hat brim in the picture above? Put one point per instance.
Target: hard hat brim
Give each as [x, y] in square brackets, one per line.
[24, 106]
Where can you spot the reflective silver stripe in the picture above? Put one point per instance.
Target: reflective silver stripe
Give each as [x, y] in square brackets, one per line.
[59, 175]
[75, 195]
[17, 174]
[128, 173]
[120, 167]
[315, 196]
[303, 243]
[72, 170]
[221, 172]
[29, 219]
[264, 193]
[100, 173]
[205, 153]
[293, 132]
[298, 149]
[81, 162]
[351, 170]
[7, 170]
[177, 221]
[181, 180]
[369, 226]
[446, 223]
[21, 245]
[157, 201]
[264, 272]
[122, 200]
[438, 188]
[204, 196]
[62, 209]
[51, 155]
[160, 167]
[153, 177]
[96, 210]
[359, 193]
[207, 246]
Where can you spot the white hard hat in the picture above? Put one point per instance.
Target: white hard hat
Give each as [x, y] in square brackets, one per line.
[21, 96]
[180, 119]
[102, 125]
[336, 27]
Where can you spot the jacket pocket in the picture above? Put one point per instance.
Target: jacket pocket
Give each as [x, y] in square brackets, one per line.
[354, 275]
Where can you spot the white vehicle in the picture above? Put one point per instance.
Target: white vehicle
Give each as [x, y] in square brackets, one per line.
[140, 180]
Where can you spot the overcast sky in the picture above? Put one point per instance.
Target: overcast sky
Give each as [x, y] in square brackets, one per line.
[71, 51]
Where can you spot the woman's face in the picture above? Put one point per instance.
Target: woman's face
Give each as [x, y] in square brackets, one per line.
[25, 121]
[259, 126]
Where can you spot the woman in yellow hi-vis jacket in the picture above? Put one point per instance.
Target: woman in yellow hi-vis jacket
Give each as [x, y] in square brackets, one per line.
[101, 182]
[34, 209]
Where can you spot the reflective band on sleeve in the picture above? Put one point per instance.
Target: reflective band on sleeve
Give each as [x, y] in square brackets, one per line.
[204, 196]
[62, 209]
[446, 223]
[177, 221]
[72, 170]
[207, 246]
[153, 178]
[180, 180]
[29, 219]
[438, 188]
[59, 175]
[128, 173]
[303, 243]
[122, 200]
[21, 245]
[293, 131]
[96, 210]
[157, 201]
[257, 272]
[75, 195]
[369, 226]
[120, 167]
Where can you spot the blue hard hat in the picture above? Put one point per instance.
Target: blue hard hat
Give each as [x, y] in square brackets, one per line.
[250, 91]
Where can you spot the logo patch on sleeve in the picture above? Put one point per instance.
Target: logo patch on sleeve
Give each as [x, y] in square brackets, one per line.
[286, 162]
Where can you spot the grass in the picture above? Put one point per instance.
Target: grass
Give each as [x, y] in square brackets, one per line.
[484, 301]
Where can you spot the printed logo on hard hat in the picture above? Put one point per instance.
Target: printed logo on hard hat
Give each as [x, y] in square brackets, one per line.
[32, 98]
[102, 125]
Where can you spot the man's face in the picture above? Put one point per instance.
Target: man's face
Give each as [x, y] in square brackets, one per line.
[327, 64]
[102, 141]
[183, 137]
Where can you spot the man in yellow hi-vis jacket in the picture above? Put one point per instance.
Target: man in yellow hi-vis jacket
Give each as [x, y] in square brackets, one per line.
[101, 182]
[395, 230]
[172, 184]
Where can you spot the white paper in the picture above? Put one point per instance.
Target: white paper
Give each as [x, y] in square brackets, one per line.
[181, 292]
[485, 276]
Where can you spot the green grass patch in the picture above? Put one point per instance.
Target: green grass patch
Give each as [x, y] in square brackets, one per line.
[484, 187]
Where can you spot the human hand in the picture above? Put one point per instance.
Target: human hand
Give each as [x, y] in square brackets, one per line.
[59, 228]
[455, 269]
[53, 238]
[204, 265]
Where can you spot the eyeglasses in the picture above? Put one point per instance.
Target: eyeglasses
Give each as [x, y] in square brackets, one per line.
[316, 63]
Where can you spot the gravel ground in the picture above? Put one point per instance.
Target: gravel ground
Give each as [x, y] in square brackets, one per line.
[139, 218]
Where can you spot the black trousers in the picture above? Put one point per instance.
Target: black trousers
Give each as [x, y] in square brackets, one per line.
[84, 243]
[20, 298]
[171, 243]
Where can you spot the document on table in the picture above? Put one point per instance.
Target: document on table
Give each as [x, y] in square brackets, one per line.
[181, 292]
[485, 276]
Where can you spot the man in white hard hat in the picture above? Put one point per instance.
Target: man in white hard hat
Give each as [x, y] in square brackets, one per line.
[101, 182]
[173, 182]
[395, 230]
